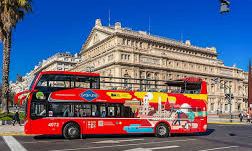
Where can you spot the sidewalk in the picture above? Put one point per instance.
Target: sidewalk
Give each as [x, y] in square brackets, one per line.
[212, 119]
[11, 130]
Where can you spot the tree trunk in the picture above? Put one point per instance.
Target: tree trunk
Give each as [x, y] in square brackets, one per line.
[5, 72]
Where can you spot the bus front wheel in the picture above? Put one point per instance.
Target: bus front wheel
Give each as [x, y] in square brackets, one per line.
[71, 131]
[162, 130]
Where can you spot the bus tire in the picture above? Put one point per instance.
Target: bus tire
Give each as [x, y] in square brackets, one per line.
[162, 130]
[71, 131]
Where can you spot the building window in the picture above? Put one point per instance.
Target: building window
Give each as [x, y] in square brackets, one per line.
[124, 41]
[212, 106]
[141, 44]
[226, 107]
[212, 88]
[239, 106]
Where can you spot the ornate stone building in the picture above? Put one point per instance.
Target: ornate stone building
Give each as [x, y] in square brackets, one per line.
[121, 52]
[57, 62]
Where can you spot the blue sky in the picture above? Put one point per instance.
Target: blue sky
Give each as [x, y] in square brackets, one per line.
[63, 25]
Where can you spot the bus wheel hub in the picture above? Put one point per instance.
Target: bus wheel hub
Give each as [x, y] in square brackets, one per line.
[162, 130]
[72, 131]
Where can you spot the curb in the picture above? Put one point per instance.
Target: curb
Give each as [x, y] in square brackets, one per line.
[13, 134]
[227, 123]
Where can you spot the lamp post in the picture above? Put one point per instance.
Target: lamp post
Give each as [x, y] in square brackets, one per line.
[228, 95]
[224, 6]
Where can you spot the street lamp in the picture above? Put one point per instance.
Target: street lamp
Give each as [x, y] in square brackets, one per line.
[229, 96]
[224, 6]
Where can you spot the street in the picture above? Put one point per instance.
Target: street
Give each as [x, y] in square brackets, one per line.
[218, 137]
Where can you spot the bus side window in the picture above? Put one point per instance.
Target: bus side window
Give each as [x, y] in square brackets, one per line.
[38, 109]
[103, 111]
[95, 111]
[118, 111]
[111, 111]
[128, 112]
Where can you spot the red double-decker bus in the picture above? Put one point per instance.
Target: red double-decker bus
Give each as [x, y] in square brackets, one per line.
[72, 104]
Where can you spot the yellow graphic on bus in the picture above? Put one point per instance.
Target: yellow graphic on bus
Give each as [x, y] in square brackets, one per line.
[153, 97]
[197, 96]
[119, 95]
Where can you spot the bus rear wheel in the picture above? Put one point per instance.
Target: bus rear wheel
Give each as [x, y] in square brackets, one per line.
[162, 130]
[71, 131]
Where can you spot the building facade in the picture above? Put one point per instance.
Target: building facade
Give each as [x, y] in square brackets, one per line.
[57, 62]
[121, 52]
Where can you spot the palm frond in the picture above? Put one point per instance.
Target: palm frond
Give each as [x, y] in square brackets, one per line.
[13, 11]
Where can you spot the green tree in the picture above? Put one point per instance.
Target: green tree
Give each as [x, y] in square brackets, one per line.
[11, 12]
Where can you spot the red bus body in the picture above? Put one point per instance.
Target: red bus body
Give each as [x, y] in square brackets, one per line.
[148, 110]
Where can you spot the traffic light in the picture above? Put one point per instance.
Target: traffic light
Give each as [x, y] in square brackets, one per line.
[224, 8]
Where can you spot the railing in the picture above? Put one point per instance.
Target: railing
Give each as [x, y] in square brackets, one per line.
[138, 84]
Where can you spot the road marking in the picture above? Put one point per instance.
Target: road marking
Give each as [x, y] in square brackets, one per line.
[226, 125]
[150, 149]
[219, 148]
[31, 142]
[85, 148]
[13, 144]
[117, 141]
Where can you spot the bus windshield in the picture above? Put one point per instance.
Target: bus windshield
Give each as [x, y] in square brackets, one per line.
[54, 81]
[31, 81]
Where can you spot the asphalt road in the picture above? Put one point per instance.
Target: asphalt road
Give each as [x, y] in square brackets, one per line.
[218, 137]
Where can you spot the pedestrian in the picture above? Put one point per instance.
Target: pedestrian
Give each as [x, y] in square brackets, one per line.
[16, 118]
[241, 115]
[248, 118]
[250, 114]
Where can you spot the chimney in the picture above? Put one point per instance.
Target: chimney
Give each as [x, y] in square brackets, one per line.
[118, 25]
[98, 22]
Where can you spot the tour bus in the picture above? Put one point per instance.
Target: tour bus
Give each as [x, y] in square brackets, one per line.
[72, 104]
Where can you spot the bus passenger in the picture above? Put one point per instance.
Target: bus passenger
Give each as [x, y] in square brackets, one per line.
[81, 112]
[96, 113]
[66, 112]
[77, 112]
[103, 114]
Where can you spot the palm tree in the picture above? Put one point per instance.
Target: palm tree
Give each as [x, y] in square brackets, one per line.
[11, 12]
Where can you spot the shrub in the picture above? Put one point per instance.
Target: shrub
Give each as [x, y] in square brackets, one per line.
[21, 115]
[11, 114]
[6, 118]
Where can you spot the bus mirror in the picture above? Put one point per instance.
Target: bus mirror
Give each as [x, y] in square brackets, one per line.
[50, 113]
